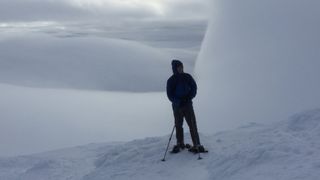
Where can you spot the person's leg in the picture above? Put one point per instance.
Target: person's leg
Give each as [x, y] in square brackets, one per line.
[178, 117]
[191, 120]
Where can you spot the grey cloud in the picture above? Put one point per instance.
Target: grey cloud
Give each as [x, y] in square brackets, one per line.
[186, 34]
[182, 25]
[35, 10]
[189, 9]
[47, 10]
[177, 34]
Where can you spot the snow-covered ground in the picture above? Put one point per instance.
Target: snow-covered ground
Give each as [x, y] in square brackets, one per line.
[285, 150]
[259, 62]
[36, 120]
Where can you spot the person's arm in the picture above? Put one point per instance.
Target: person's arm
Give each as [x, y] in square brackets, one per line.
[193, 85]
[170, 90]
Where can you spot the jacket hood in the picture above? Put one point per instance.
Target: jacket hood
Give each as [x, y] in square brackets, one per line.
[175, 63]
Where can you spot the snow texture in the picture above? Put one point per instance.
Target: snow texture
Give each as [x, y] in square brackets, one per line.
[259, 61]
[32, 117]
[286, 150]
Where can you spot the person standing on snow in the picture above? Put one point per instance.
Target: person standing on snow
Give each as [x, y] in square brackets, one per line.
[181, 89]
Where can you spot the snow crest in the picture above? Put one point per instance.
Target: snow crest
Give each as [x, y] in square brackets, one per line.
[286, 150]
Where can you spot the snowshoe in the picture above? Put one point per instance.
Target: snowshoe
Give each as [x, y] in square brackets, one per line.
[188, 146]
[198, 149]
[182, 146]
[177, 148]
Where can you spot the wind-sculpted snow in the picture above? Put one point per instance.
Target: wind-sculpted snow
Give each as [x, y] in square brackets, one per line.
[288, 150]
[259, 61]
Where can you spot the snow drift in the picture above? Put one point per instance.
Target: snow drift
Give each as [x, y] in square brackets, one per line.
[286, 150]
[259, 61]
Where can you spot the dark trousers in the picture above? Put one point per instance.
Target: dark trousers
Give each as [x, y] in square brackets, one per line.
[186, 112]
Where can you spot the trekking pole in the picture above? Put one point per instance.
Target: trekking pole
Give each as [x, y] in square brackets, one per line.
[199, 157]
[164, 157]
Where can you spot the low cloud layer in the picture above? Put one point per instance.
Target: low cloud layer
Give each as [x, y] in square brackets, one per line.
[170, 28]
[82, 63]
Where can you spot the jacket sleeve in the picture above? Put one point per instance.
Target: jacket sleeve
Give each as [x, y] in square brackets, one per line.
[170, 93]
[193, 87]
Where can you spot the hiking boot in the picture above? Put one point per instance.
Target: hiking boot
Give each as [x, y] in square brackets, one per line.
[197, 149]
[178, 147]
[193, 149]
[201, 149]
[188, 146]
[175, 149]
[182, 146]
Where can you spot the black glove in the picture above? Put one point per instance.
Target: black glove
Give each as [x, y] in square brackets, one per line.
[185, 99]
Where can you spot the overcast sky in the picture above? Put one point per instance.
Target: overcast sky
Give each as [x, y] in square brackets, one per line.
[162, 23]
[172, 28]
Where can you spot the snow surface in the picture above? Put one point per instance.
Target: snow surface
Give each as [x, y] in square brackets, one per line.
[32, 117]
[285, 150]
[259, 61]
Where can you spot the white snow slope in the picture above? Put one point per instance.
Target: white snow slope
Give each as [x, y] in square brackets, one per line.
[286, 150]
[259, 60]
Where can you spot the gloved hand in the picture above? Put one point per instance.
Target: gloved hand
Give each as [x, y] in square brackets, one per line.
[185, 98]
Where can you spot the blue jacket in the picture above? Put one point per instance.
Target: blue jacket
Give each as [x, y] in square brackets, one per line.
[181, 87]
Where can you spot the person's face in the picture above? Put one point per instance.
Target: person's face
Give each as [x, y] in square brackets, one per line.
[180, 69]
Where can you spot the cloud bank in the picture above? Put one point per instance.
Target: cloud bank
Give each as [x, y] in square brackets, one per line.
[82, 63]
[47, 33]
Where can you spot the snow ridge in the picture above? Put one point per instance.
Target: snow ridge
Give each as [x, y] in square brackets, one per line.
[286, 150]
